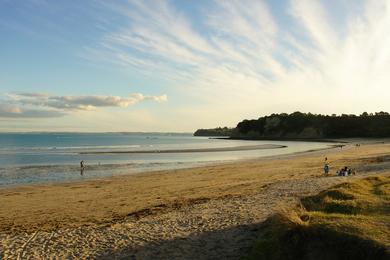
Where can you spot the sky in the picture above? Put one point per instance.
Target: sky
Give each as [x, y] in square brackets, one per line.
[176, 66]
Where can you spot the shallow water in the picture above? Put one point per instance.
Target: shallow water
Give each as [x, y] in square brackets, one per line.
[51, 157]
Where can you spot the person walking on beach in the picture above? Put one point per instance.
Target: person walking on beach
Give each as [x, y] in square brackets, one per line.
[326, 169]
[326, 166]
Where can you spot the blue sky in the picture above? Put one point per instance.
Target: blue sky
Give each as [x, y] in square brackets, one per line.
[183, 65]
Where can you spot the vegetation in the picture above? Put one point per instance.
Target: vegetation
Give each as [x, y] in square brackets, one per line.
[219, 131]
[306, 126]
[301, 125]
[349, 221]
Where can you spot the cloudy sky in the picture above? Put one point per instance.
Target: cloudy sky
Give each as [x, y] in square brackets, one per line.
[181, 65]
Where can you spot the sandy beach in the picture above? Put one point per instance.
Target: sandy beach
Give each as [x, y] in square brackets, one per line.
[204, 212]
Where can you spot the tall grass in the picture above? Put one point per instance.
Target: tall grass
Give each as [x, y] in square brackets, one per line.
[348, 221]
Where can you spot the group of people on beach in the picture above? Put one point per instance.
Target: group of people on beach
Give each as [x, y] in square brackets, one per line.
[345, 171]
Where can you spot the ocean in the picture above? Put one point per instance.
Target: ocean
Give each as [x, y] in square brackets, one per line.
[34, 158]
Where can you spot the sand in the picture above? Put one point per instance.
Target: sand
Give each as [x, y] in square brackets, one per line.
[206, 212]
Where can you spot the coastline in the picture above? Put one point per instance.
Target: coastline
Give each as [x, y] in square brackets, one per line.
[65, 209]
[371, 140]
[133, 172]
[102, 163]
[154, 176]
[320, 140]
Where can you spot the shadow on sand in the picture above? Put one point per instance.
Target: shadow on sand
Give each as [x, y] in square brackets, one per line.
[255, 242]
[231, 243]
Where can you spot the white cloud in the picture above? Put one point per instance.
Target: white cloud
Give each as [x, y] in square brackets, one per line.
[244, 59]
[14, 111]
[247, 59]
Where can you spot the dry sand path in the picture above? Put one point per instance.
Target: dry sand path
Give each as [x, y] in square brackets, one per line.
[211, 229]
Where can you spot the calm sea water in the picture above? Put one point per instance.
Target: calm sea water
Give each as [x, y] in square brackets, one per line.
[51, 157]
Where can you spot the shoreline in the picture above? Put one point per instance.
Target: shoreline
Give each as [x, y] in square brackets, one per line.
[319, 140]
[209, 172]
[154, 214]
[162, 171]
[346, 140]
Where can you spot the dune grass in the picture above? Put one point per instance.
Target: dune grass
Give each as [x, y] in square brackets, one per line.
[348, 221]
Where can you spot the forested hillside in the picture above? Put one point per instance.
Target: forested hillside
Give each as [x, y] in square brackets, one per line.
[307, 126]
[301, 125]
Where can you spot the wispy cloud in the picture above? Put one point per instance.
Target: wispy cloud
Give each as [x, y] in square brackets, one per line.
[246, 55]
[238, 59]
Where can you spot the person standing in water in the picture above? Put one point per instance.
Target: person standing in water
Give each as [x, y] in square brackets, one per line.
[82, 167]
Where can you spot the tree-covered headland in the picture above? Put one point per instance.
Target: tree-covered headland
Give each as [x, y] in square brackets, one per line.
[299, 125]
[219, 131]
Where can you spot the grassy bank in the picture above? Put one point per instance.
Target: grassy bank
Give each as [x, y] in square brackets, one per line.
[348, 221]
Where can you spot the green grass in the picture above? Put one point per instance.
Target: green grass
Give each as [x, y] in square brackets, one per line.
[348, 221]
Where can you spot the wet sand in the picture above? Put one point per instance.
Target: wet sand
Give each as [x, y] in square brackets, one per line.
[191, 213]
